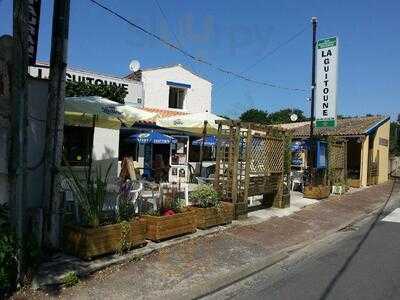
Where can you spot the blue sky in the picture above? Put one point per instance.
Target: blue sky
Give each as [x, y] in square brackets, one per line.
[235, 34]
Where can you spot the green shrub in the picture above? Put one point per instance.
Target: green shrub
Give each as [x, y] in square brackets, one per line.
[112, 92]
[205, 196]
[70, 279]
[126, 208]
[177, 204]
[90, 193]
[8, 259]
[8, 251]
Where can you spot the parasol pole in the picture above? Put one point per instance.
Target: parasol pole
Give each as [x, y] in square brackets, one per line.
[91, 151]
[202, 145]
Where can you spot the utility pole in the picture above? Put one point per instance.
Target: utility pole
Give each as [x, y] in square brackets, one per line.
[313, 85]
[55, 123]
[19, 121]
[204, 134]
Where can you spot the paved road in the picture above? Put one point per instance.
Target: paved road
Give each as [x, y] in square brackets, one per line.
[362, 262]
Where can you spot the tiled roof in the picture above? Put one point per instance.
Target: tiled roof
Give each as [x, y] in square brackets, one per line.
[291, 125]
[164, 113]
[345, 127]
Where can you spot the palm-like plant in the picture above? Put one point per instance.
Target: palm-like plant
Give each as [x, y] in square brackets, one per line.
[90, 193]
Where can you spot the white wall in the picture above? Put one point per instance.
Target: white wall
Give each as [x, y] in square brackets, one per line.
[106, 148]
[197, 99]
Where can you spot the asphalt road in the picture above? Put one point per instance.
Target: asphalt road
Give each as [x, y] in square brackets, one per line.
[360, 262]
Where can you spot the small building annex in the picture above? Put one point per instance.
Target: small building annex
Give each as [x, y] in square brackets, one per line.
[367, 140]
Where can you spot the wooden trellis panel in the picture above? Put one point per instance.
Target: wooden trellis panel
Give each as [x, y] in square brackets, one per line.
[337, 159]
[250, 161]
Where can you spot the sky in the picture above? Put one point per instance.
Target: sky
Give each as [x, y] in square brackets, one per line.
[236, 34]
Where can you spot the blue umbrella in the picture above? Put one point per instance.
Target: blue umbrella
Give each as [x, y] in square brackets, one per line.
[209, 141]
[298, 146]
[152, 137]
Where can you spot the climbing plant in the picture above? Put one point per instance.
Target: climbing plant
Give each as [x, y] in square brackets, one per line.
[112, 92]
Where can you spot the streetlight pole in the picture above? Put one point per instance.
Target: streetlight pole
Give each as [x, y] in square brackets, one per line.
[312, 144]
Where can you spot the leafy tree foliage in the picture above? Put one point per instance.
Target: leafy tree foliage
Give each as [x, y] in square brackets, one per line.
[254, 115]
[112, 92]
[283, 116]
[278, 117]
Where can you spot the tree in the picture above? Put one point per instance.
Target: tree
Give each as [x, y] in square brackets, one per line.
[283, 116]
[254, 115]
[112, 92]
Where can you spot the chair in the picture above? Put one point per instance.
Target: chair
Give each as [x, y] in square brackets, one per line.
[69, 200]
[135, 191]
[297, 180]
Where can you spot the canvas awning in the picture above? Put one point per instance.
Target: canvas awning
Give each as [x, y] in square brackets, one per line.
[79, 111]
[191, 122]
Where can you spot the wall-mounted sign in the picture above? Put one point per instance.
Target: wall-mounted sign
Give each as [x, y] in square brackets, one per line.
[134, 88]
[326, 82]
[321, 154]
[383, 142]
[33, 15]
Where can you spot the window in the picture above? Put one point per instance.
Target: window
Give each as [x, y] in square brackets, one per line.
[77, 144]
[126, 147]
[176, 97]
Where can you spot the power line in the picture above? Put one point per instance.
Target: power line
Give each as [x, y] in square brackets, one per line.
[171, 30]
[261, 59]
[197, 59]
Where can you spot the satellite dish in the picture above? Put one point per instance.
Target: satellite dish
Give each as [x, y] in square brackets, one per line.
[134, 65]
[293, 117]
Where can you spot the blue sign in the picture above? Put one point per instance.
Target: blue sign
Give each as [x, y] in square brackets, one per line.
[321, 154]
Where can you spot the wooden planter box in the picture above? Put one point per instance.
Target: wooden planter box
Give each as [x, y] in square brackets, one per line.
[354, 183]
[163, 227]
[317, 192]
[213, 216]
[87, 242]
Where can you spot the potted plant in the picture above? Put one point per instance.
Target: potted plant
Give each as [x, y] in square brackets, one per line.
[210, 210]
[171, 218]
[99, 233]
[338, 188]
[338, 185]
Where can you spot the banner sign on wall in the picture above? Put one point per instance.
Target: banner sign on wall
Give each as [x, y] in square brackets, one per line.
[134, 89]
[326, 82]
[33, 15]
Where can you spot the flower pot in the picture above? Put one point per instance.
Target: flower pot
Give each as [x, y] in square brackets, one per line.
[338, 189]
[317, 192]
[87, 242]
[163, 227]
[214, 216]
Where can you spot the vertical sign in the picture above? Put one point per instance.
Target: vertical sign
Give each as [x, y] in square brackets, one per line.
[326, 82]
[32, 23]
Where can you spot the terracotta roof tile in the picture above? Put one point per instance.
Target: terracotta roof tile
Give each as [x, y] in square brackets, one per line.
[164, 113]
[345, 127]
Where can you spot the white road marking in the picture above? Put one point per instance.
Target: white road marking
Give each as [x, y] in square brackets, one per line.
[394, 216]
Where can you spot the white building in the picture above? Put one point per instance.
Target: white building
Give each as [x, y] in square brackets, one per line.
[174, 88]
[167, 91]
